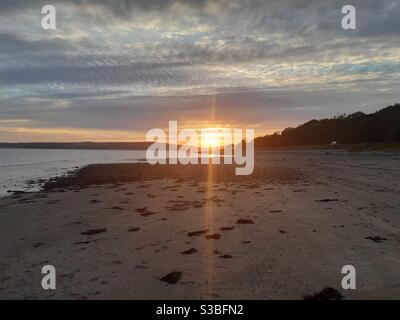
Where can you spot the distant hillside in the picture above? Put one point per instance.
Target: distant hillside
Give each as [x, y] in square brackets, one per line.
[79, 145]
[382, 126]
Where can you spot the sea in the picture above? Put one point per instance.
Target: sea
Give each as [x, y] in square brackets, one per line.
[25, 169]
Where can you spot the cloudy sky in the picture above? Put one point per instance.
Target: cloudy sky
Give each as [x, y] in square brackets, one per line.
[113, 70]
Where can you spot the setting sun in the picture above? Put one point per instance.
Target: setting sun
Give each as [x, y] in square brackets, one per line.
[211, 138]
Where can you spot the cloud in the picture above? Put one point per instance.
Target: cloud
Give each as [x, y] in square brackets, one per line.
[122, 65]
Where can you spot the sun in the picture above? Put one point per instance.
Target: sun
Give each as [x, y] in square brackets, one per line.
[211, 138]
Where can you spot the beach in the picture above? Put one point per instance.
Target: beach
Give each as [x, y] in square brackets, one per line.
[135, 231]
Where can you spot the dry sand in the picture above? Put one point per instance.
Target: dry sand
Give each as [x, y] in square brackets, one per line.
[199, 232]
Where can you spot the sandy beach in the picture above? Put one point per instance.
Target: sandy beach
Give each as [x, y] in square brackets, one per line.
[135, 231]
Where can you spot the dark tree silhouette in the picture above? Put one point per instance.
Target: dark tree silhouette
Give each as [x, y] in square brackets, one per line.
[382, 126]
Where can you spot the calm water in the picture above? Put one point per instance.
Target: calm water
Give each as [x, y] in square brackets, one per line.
[19, 166]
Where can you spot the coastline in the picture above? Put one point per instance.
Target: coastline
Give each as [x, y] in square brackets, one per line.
[142, 146]
[40, 183]
[116, 231]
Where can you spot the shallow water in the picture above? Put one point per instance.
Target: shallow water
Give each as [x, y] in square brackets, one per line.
[21, 168]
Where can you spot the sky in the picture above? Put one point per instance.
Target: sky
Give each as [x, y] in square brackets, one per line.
[112, 70]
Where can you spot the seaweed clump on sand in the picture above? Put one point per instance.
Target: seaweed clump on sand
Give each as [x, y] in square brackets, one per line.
[327, 293]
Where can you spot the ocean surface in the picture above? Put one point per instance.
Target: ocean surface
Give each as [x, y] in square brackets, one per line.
[21, 168]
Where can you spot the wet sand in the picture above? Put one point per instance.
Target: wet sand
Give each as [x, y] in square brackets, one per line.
[134, 231]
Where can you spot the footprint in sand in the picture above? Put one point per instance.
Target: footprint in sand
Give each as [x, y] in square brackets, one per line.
[117, 208]
[93, 231]
[197, 233]
[226, 256]
[376, 239]
[190, 251]
[245, 221]
[144, 212]
[226, 228]
[172, 277]
[148, 213]
[133, 229]
[215, 236]
[326, 200]
[82, 242]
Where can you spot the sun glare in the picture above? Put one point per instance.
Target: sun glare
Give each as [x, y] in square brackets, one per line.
[211, 138]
